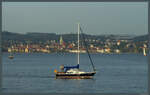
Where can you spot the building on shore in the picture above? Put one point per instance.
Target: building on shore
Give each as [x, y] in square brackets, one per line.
[107, 50]
[27, 49]
[117, 51]
[9, 50]
[76, 51]
[100, 50]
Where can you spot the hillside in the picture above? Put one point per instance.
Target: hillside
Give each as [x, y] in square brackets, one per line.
[35, 37]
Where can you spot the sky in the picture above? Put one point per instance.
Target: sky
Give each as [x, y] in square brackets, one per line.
[123, 18]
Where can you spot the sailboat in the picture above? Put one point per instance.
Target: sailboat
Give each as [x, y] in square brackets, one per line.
[73, 72]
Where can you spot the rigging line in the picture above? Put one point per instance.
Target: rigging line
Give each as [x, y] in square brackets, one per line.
[87, 50]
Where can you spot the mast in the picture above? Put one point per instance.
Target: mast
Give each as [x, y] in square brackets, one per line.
[78, 43]
[87, 50]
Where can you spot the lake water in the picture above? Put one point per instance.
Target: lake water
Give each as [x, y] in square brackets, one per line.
[116, 73]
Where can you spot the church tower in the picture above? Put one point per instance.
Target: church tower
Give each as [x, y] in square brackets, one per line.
[61, 40]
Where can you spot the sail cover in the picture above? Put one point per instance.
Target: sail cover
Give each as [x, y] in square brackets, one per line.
[71, 67]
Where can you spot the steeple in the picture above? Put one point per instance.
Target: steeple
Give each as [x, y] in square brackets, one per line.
[61, 40]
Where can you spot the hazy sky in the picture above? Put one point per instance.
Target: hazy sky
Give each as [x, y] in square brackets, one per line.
[62, 17]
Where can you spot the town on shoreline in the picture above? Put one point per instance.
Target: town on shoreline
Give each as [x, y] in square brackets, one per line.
[67, 44]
